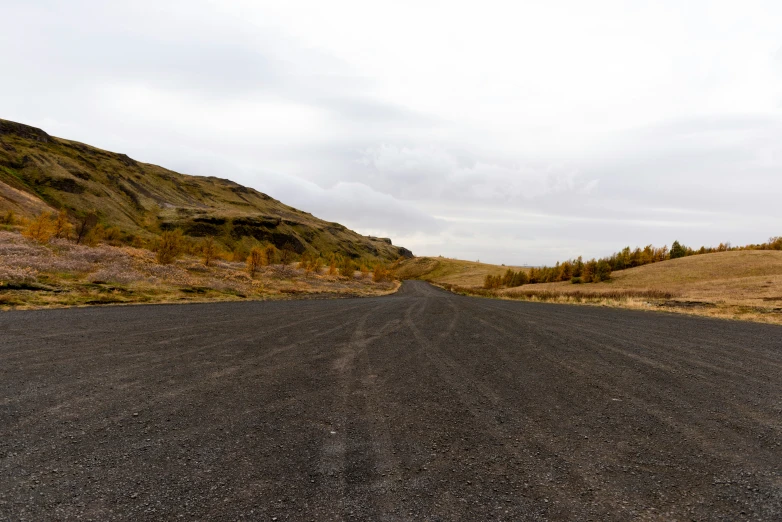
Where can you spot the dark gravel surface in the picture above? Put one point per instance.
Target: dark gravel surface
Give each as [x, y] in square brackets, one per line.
[423, 405]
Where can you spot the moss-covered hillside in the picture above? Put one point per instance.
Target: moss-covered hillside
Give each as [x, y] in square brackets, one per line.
[39, 172]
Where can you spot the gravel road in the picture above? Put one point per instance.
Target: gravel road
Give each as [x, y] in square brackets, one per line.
[418, 406]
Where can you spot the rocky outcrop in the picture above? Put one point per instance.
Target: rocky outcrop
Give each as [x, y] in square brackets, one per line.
[24, 131]
[403, 252]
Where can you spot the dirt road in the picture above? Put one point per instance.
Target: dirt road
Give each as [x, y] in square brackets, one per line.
[423, 405]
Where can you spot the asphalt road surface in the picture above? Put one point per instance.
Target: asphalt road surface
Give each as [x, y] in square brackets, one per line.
[417, 406]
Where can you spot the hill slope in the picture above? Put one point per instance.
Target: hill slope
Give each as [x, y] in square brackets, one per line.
[39, 172]
[444, 270]
[744, 277]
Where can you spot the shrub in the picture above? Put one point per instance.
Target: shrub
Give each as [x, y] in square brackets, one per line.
[40, 229]
[317, 264]
[85, 223]
[287, 253]
[208, 250]
[62, 226]
[576, 280]
[347, 267]
[113, 235]
[95, 235]
[136, 241]
[270, 254]
[381, 274]
[603, 271]
[590, 268]
[310, 263]
[254, 261]
[169, 246]
[9, 218]
[491, 281]
[488, 281]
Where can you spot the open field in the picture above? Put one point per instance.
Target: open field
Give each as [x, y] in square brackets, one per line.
[444, 270]
[422, 405]
[743, 284]
[61, 273]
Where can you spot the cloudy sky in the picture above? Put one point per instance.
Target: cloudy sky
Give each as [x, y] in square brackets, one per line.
[510, 132]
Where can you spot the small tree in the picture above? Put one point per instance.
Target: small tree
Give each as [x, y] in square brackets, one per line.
[317, 264]
[286, 254]
[254, 261]
[520, 278]
[169, 246]
[347, 267]
[565, 271]
[488, 281]
[113, 235]
[307, 262]
[208, 250]
[84, 224]
[311, 262]
[677, 250]
[578, 267]
[95, 235]
[40, 229]
[590, 269]
[62, 226]
[602, 271]
[381, 273]
[269, 254]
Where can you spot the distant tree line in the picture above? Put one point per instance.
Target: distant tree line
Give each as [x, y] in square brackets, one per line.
[575, 270]
[597, 270]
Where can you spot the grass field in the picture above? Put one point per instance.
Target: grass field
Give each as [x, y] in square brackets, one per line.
[739, 285]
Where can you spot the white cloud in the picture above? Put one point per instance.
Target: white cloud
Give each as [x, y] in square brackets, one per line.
[510, 132]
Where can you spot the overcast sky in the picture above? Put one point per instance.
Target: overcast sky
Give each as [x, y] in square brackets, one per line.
[510, 132]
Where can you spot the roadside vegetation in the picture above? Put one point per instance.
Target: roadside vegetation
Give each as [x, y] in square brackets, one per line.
[57, 260]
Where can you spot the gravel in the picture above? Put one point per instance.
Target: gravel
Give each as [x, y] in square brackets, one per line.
[422, 405]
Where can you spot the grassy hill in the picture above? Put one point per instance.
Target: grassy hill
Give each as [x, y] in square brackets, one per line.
[39, 172]
[443, 270]
[744, 278]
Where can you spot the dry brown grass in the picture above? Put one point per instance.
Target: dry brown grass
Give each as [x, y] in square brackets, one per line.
[742, 277]
[61, 273]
